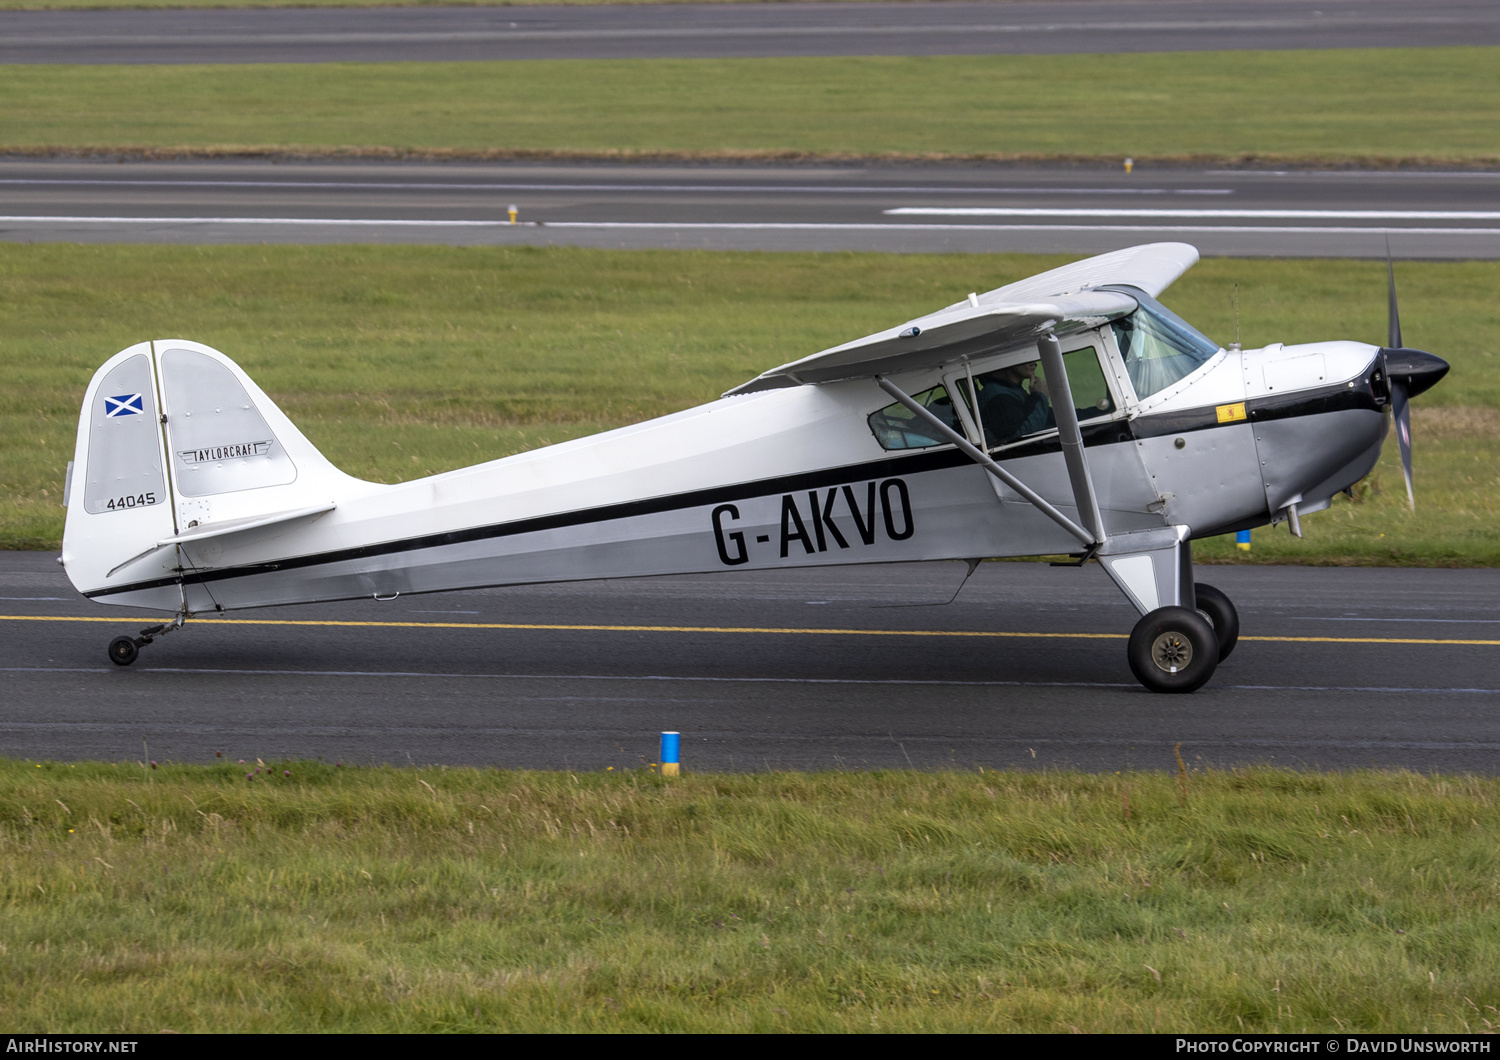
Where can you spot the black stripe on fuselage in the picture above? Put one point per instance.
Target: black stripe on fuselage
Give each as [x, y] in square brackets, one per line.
[1338, 398]
[1111, 432]
[916, 463]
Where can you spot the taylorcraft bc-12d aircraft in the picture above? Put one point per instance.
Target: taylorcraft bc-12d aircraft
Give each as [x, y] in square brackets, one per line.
[1070, 413]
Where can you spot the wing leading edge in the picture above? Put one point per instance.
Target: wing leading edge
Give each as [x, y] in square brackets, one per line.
[1061, 300]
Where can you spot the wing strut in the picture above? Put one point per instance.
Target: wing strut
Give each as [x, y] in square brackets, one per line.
[982, 458]
[1070, 435]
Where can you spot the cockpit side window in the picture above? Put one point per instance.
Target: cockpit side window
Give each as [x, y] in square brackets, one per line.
[1015, 401]
[1158, 346]
[897, 427]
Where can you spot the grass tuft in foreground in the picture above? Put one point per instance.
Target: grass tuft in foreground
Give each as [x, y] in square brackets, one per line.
[314, 897]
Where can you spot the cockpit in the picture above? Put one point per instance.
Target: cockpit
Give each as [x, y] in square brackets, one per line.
[1007, 397]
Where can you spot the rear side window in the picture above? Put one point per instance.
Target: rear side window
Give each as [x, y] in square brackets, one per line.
[897, 427]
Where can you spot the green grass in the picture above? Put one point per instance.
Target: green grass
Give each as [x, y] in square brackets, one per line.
[404, 361]
[188, 898]
[1369, 106]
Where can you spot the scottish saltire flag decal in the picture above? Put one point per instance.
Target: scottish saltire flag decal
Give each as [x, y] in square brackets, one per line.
[124, 405]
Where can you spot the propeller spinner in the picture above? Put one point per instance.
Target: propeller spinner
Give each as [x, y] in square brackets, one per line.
[1407, 373]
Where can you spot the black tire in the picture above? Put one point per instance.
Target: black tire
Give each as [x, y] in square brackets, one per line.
[1221, 615]
[1173, 649]
[122, 651]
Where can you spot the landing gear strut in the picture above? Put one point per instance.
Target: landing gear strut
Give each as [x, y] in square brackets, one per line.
[124, 650]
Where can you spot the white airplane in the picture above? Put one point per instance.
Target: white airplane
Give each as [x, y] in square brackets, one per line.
[1069, 413]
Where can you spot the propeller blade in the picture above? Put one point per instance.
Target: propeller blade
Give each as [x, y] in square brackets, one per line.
[1394, 319]
[1400, 405]
[1401, 409]
[1407, 373]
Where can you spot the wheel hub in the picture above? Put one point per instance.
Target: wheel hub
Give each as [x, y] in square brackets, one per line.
[1171, 652]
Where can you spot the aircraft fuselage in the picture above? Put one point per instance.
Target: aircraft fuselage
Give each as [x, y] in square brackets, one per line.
[780, 478]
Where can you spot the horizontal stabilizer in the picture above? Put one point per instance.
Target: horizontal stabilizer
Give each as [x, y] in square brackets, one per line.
[236, 526]
[1060, 300]
[224, 529]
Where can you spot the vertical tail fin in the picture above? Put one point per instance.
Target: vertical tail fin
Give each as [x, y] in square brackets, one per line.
[175, 439]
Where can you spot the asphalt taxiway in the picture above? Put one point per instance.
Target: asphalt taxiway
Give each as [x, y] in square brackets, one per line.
[928, 208]
[630, 31]
[855, 668]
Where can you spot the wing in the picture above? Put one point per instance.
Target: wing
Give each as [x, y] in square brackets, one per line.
[1059, 301]
[1153, 268]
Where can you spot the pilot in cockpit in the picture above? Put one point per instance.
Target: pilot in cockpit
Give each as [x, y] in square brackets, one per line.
[1015, 402]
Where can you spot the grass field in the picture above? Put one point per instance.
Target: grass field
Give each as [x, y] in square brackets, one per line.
[1370, 106]
[336, 899]
[403, 361]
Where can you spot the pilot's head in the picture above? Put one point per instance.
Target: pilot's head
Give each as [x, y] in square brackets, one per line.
[1017, 374]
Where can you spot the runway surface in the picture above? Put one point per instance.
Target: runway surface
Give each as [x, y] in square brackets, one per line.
[835, 668]
[734, 30]
[973, 208]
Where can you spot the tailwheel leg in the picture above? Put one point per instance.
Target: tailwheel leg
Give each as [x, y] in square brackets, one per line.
[124, 650]
[1173, 649]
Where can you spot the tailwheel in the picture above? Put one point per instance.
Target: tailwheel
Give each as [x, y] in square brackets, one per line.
[1173, 649]
[1219, 610]
[123, 651]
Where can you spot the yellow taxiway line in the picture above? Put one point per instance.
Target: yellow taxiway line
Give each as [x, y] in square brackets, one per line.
[783, 630]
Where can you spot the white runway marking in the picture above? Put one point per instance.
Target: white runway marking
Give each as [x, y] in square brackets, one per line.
[1270, 215]
[304, 221]
[1361, 174]
[896, 227]
[798, 189]
[725, 680]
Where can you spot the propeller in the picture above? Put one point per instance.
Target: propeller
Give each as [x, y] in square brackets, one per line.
[1400, 400]
[1407, 373]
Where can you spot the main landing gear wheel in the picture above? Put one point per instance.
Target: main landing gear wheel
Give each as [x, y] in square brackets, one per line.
[123, 651]
[1173, 649]
[1220, 612]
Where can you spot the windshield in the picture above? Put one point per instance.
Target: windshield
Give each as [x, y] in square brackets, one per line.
[1158, 346]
